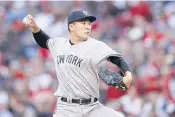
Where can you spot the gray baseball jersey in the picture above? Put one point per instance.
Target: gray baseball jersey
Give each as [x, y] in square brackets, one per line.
[77, 66]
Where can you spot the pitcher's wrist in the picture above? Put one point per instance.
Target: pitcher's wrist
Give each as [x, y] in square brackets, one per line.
[35, 30]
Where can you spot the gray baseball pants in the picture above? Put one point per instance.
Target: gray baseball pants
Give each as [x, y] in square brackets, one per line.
[96, 109]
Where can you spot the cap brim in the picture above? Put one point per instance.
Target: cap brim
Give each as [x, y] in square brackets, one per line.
[90, 18]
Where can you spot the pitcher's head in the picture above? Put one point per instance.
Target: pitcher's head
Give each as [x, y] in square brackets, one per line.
[79, 24]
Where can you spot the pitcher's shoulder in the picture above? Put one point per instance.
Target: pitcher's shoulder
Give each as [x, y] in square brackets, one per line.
[93, 40]
[59, 39]
[96, 41]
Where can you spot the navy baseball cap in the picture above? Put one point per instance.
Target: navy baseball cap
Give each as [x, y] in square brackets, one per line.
[79, 15]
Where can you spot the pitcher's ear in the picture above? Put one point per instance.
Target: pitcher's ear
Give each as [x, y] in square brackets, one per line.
[71, 27]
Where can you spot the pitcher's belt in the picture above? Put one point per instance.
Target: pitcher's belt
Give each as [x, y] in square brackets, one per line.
[82, 101]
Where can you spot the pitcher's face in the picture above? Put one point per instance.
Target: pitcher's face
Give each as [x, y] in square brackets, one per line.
[81, 29]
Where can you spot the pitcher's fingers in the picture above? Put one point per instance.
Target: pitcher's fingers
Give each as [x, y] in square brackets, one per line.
[30, 17]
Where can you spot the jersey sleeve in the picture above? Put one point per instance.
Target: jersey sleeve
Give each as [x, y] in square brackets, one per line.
[103, 51]
[53, 44]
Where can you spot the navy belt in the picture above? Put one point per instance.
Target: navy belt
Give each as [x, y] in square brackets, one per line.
[82, 101]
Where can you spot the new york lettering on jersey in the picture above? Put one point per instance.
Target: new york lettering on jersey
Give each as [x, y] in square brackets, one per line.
[71, 59]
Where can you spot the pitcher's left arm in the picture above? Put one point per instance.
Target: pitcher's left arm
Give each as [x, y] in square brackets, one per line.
[119, 80]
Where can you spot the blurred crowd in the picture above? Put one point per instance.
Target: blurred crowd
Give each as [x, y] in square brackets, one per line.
[142, 31]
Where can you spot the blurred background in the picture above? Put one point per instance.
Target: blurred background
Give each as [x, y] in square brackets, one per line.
[142, 31]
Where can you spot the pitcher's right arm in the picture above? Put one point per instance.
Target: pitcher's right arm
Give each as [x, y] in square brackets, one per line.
[39, 35]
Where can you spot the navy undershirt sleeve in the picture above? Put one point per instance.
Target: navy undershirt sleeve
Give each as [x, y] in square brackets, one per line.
[120, 62]
[41, 38]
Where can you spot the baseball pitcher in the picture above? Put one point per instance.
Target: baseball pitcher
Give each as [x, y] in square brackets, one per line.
[77, 62]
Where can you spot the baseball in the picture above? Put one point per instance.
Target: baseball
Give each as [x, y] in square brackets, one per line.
[26, 21]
